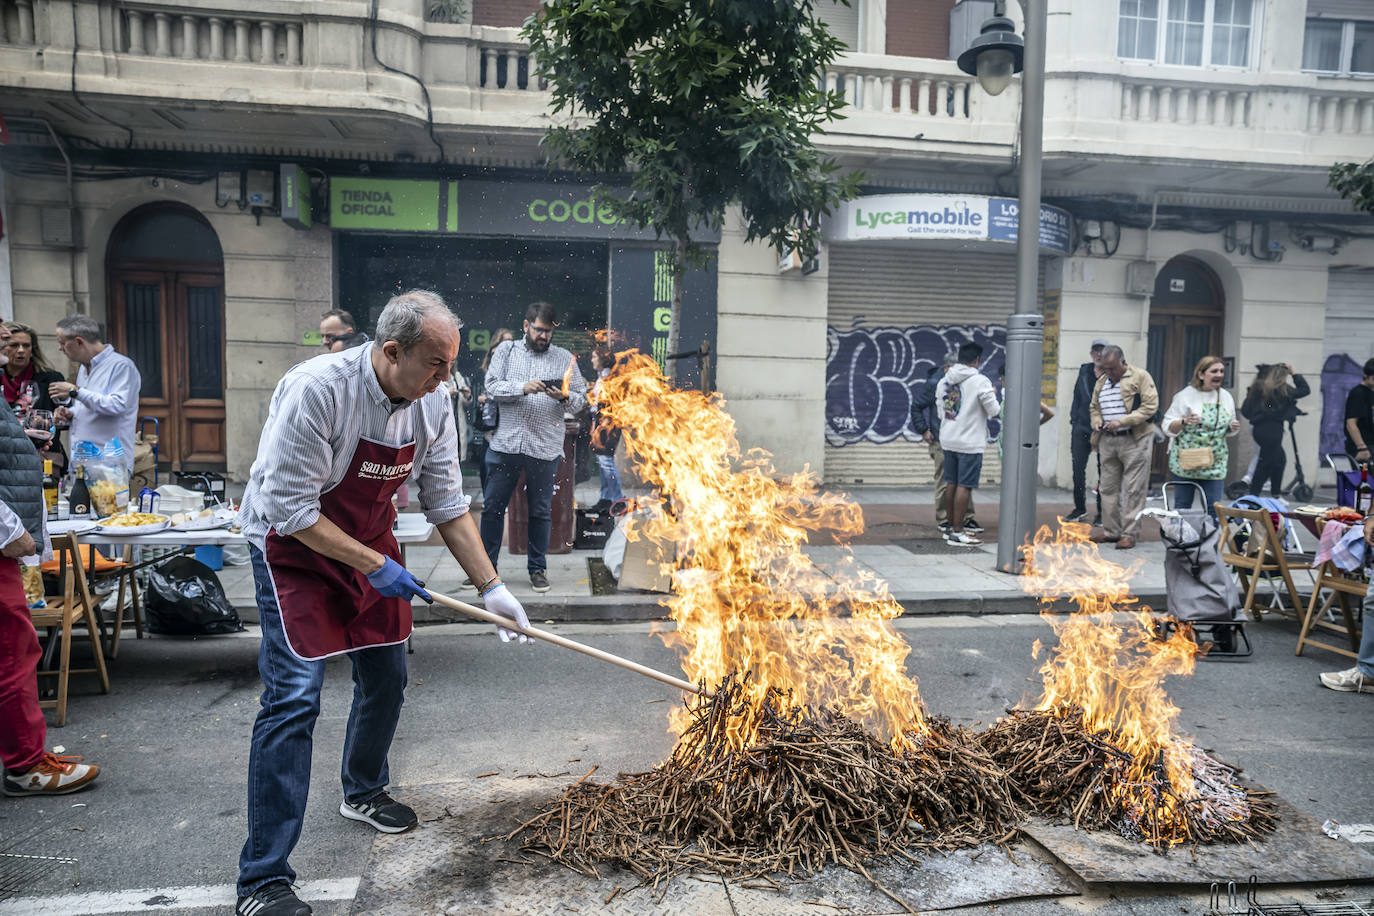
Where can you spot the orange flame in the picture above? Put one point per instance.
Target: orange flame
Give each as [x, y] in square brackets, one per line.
[746, 597]
[1110, 663]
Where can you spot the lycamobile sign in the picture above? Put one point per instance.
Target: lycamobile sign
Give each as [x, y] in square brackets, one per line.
[926, 216]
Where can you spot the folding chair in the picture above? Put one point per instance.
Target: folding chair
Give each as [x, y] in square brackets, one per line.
[1338, 584]
[69, 608]
[99, 569]
[1252, 547]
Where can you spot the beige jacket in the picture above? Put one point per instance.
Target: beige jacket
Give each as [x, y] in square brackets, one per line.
[1141, 400]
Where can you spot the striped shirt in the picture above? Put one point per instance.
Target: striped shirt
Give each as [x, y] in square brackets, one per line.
[1110, 402]
[320, 410]
[531, 424]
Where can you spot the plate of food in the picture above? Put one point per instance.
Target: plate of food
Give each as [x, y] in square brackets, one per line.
[204, 520]
[132, 523]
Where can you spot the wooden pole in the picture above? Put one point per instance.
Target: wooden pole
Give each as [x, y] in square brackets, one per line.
[500, 621]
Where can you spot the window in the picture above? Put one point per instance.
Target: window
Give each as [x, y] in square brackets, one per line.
[1194, 33]
[1342, 47]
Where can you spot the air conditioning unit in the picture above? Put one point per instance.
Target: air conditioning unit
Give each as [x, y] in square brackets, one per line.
[58, 226]
[1140, 278]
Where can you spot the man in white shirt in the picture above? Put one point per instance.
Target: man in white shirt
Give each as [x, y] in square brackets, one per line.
[343, 432]
[103, 403]
[966, 402]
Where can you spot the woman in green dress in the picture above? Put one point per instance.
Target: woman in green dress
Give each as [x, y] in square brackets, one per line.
[1198, 422]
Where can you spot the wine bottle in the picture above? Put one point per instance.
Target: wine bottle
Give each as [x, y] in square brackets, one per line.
[80, 498]
[1364, 494]
[49, 490]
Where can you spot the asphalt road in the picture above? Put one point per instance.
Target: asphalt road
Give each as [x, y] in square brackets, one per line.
[172, 738]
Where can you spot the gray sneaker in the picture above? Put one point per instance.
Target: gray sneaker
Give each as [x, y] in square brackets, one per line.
[1351, 680]
[539, 582]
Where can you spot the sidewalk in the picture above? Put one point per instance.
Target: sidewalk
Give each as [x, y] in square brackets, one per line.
[900, 545]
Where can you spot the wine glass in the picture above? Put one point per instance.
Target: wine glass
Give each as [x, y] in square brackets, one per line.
[28, 393]
[39, 424]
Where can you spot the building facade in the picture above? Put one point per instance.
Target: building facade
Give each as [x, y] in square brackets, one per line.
[207, 180]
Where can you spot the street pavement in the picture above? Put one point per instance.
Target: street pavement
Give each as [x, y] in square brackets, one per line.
[166, 819]
[161, 830]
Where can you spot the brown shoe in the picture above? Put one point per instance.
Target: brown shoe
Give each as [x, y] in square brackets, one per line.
[1125, 543]
[53, 775]
[1101, 537]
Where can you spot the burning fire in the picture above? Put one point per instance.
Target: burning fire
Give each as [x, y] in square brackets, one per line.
[746, 598]
[1113, 670]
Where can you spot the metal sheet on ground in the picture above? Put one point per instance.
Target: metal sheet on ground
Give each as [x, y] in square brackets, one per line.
[445, 867]
[1296, 853]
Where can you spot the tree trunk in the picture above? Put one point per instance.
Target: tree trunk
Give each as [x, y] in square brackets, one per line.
[675, 319]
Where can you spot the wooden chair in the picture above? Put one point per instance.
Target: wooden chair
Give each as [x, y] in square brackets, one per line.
[70, 607]
[98, 569]
[1253, 548]
[1337, 583]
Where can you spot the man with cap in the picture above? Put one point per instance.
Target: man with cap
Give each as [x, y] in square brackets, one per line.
[1081, 433]
[343, 431]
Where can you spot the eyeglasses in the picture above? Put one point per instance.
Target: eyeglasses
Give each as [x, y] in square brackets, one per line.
[537, 330]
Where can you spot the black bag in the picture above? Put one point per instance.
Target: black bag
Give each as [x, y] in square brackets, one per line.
[605, 437]
[593, 528]
[184, 598]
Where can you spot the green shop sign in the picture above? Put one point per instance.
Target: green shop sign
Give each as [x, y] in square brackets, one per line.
[395, 205]
[528, 209]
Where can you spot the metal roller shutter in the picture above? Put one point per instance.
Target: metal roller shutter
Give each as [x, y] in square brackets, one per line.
[877, 287]
[1349, 342]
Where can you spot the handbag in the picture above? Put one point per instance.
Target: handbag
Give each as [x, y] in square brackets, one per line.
[1199, 458]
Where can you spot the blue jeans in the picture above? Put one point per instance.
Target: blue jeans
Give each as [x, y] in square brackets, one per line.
[610, 478]
[279, 759]
[1212, 490]
[503, 473]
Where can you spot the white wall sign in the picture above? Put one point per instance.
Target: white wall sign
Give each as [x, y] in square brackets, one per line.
[934, 216]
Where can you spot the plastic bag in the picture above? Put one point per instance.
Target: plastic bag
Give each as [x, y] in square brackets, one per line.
[184, 598]
[107, 475]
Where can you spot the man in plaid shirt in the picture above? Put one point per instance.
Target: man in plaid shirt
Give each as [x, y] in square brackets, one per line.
[525, 380]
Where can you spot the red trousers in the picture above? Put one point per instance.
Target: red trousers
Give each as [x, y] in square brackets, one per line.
[22, 728]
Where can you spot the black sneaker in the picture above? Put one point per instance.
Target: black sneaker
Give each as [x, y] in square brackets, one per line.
[945, 528]
[275, 899]
[539, 581]
[1077, 515]
[468, 583]
[972, 526]
[1097, 521]
[381, 811]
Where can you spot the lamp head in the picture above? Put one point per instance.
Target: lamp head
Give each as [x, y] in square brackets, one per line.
[994, 55]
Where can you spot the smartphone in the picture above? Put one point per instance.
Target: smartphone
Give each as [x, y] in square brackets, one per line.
[554, 383]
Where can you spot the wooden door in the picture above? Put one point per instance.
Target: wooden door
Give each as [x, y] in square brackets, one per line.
[171, 323]
[1178, 340]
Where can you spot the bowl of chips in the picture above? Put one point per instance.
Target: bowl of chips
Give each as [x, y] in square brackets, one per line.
[128, 524]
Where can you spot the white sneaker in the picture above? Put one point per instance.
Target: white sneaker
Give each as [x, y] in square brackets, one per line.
[1351, 680]
[959, 539]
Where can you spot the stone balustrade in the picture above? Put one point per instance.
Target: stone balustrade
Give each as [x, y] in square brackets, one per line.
[1199, 104]
[1330, 112]
[16, 22]
[195, 35]
[877, 83]
[1348, 109]
[507, 66]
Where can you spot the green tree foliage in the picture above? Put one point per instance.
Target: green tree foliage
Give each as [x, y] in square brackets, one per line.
[705, 104]
[1355, 181]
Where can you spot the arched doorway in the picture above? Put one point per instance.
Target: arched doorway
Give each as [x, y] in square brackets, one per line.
[1186, 318]
[166, 295]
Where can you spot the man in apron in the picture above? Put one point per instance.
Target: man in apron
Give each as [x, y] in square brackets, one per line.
[343, 432]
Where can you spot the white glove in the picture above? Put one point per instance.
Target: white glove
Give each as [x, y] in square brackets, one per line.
[499, 600]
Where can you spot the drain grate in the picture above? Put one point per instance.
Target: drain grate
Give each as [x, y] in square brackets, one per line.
[930, 546]
[22, 867]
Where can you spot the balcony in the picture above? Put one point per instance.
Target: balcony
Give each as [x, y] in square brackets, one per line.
[301, 75]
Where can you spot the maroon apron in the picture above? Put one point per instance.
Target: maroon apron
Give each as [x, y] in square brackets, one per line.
[328, 607]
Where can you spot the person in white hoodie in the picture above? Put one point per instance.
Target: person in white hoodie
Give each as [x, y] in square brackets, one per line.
[966, 401]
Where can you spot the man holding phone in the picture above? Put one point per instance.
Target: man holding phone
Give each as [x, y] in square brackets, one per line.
[526, 380]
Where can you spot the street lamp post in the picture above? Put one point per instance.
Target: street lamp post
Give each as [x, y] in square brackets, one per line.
[993, 56]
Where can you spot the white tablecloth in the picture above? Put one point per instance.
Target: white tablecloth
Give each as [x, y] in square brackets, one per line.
[410, 528]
